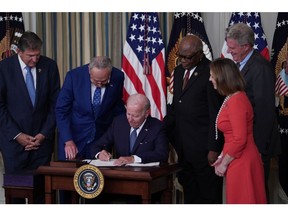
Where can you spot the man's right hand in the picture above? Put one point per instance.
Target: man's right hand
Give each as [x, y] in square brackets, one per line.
[104, 156]
[71, 150]
[212, 157]
[27, 141]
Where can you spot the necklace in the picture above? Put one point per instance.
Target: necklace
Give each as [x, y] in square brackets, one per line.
[223, 104]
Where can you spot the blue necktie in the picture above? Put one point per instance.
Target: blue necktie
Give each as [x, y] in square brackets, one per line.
[96, 101]
[133, 137]
[30, 85]
[95, 106]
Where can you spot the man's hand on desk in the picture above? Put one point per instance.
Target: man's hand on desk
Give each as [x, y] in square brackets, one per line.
[124, 160]
[71, 150]
[104, 156]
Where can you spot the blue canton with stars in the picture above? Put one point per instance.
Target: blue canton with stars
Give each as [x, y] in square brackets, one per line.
[279, 40]
[253, 20]
[144, 35]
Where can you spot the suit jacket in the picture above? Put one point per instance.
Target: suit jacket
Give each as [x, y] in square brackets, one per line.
[17, 113]
[74, 114]
[260, 88]
[190, 119]
[151, 144]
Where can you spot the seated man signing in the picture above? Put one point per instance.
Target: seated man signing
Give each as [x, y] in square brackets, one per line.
[136, 137]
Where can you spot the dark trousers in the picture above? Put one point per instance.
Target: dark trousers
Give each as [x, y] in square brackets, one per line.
[266, 159]
[283, 172]
[283, 157]
[200, 183]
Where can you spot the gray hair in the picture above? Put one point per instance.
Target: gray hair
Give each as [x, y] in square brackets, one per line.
[136, 99]
[29, 40]
[240, 32]
[101, 62]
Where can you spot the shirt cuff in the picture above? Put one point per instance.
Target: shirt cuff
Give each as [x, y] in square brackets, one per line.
[96, 156]
[17, 136]
[137, 159]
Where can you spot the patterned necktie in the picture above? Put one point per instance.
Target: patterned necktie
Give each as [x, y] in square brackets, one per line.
[95, 106]
[185, 80]
[30, 85]
[96, 100]
[133, 137]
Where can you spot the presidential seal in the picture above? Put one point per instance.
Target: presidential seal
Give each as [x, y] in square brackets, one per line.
[88, 181]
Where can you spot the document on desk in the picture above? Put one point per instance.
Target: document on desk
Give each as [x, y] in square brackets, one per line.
[99, 163]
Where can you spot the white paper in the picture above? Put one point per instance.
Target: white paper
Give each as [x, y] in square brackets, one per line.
[99, 163]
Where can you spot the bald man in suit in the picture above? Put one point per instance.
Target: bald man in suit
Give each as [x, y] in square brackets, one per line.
[190, 124]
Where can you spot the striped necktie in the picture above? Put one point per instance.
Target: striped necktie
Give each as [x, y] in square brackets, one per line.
[186, 79]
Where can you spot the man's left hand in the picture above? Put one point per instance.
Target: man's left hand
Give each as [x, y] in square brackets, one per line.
[212, 157]
[124, 160]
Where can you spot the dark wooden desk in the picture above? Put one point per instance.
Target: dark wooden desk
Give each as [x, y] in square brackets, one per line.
[143, 181]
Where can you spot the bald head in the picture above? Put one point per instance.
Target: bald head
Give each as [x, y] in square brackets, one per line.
[190, 51]
[191, 42]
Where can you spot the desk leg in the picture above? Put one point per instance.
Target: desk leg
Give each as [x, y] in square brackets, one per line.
[166, 197]
[8, 197]
[49, 193]
[146, 194]
[74, 198]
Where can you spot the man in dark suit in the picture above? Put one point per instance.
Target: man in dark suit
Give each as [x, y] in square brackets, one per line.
[27, 124]
[260, 88]
[29, 86]
[190, 124]
[79, 122]
[151, 144]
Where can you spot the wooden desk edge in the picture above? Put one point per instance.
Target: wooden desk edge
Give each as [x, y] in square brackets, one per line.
[116, 172]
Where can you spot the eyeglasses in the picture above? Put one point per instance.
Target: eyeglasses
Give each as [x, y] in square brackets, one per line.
[188, 58]
[99, 83]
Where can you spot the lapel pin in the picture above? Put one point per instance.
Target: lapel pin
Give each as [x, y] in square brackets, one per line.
[39, 70]
[196, 74]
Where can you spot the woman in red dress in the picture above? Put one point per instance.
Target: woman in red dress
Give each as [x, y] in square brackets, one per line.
[240, 161]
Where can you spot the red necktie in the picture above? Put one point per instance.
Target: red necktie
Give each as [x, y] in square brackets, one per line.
[185, 80]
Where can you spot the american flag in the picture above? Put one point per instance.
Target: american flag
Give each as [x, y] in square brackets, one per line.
[185, 23]
[252, 19]
[280, 42]
[280, 53]
[281, 86]
[143, 62]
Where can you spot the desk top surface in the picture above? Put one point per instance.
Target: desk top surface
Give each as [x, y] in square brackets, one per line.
[144, 173]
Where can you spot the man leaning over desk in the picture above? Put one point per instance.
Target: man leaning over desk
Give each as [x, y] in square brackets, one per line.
[150, 143]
